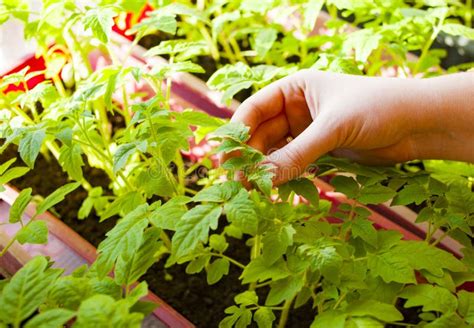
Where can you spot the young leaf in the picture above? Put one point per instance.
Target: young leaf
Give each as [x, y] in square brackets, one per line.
[194, 228]
[123, 240]
[216, 270]
[130, 267]
[364, 229]
[50, 318]
[378, 310]
[30, 146]
[35, 232]
[71, 160]
[284, 289]
[218, 193]
[466, 305]
[26, 290]
[331, 318]
[235, 131]
[432, 298]
[375, 194]
[264, 40]
[391, 267]
[20, 204]
[458, 30]
[56, 197]
[13, 173]
[241, 212]
[122, 154]
[346, 185]
[276, 242]
[304, 187]
[100, 22]
[264, 317]
[258, 270]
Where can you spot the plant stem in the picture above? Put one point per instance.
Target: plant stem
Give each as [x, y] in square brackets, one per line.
[254, 253]
[285, 312]
[468, 14]
[10, 243]
[339, 300]
[125, 108]
[427, 46]
[231, 260]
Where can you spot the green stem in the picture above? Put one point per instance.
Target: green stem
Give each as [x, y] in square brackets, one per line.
[210, 43]
[125, 108]
[341, 298]
[10, 243]
[166, 239]
[427, 46]
[285, 313]
[228, 51]
[468, 14]
[231, 260]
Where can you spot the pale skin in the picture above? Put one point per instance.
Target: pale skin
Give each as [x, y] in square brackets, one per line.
[371, 120]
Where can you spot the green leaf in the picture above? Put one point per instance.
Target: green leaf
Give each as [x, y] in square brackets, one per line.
[6, 165]
[466, 306]
[100, 22]
[264, 40]
[165, 23]
[54, 318]
[284, 289]
[20, 204]
[276, 242]
[423, 256]
[378, 310]
[347, 185]
[104, 311]
[123, 240]
[193, 228]
[130, 267]
[218, 193]
[365, 230]
[216, 270]
[13, 173]
[363, 42]
[122, 154]
[26, 290]
[391, 267]
[458, 30]
[331, 318]
[241, 212]
[375, 194]
[412, 193]
[449, 320]
[35, 232]
[258, 270]
[305, 188]
[30, 146]
[235, 131]
[166, 216]
[56, 197]
[264, 317]
[432, 298]
[174, 47]
[249, 297]
[71, 160]
[239, 317]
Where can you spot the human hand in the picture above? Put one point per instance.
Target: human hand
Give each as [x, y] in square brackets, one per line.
[367, 119]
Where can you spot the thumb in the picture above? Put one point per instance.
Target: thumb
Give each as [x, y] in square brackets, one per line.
[292, 160]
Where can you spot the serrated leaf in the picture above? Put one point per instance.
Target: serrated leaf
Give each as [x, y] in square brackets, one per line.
[304, 187]
[19, 205]
[458, 30]
[276, 242]
[364, 229]
[166, 216]
[264, 40]
[241, 212]
[346, 185]
[56, 197]
[331, 318]
[391, 267]
[193, 228]
[235, 131]
[122, 154]
[218, 193]
[35, 232]
[466, 305]
[71, 161]
[249, 297]
[264, 317]
[363, 42]
[284, 289]
[26, 290]
[123, 240]
[378, 310]
[216, 270]
[257, 270]
[432, 298]
[100, 22]
[375, 194]
[53, 318]
[30, 146]
[130, 267]
[165, 23]
[423, 256]
[412, 193]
